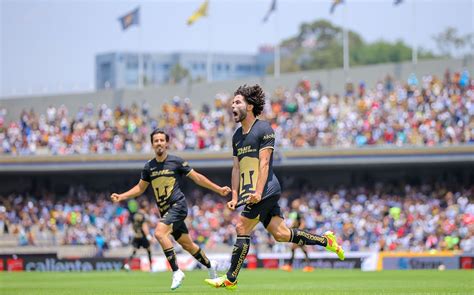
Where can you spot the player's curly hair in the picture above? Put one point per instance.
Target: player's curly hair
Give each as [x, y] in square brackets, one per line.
[253, 95]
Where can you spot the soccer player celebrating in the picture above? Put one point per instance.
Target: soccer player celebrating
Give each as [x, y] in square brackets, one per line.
[164, 172]
[255, 185]
[141, 234]
[297, 222]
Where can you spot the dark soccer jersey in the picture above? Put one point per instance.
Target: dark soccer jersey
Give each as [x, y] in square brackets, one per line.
[164, 178]
[246, 148]
[138, 221]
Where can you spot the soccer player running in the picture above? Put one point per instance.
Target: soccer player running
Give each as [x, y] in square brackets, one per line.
[141, 234]
[297, 222]
[164, 172]
[254, 183]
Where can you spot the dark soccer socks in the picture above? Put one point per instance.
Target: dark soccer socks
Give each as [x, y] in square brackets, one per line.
[171, 256]
[241, 248]
[133, 254]
[306, 257]
[292, 258]
[202, 258]
[301, 238]
[149, 256]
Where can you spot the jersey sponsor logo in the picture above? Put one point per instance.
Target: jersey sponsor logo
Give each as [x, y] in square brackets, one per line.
[162, 172]
[245, 150]
[269, 136]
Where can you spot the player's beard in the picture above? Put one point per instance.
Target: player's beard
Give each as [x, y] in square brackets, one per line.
[160, 151]
[241, 115]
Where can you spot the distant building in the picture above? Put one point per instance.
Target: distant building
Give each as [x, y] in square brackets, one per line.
[119, 70]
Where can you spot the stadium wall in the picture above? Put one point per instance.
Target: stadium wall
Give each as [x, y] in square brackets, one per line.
[324, 171]
[333, 81]
[315, 157]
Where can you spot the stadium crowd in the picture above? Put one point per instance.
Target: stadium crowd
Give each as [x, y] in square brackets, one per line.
[428, 112]
[382, 217]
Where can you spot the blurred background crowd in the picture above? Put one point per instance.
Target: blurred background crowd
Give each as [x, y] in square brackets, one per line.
[381, 218]
[425, 112]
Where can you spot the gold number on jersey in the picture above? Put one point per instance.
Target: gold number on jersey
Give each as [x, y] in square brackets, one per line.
[247, 187]
[248, 176]
[163, 187]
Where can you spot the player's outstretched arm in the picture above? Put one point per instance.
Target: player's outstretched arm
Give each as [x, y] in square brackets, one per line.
[203, 181]
[134, 192]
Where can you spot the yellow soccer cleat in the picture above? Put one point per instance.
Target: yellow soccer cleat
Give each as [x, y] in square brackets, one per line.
[221, 282]
[287, 268]
[332, 245]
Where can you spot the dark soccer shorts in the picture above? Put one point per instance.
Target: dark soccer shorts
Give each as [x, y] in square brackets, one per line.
[140, 243]
[264, 210]
[176, 216]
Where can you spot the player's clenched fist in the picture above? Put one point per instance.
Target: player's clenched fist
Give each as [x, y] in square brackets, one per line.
[115, 197]
[224, 191]
[231, 204]
[254, 198]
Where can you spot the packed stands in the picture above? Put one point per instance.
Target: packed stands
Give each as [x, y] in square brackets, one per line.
[426, 112]
[382, 217]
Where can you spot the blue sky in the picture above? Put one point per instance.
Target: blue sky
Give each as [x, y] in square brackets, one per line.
[49, 46]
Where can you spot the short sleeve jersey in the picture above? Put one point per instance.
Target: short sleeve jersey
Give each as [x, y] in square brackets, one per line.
[246, 147]
[164, 178]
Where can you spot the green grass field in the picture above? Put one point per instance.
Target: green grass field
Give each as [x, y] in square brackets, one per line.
[327, 282]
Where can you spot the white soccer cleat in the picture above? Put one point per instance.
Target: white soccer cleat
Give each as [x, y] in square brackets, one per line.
[213, 270]
[178, 277]
[126, 267]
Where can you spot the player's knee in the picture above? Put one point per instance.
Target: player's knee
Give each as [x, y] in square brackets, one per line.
[281, 236]
[186, 248]
[157, 236]
[240, 228]
[160, 236]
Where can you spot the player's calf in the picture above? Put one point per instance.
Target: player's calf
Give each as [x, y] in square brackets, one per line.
[302, 238]
[241, 248]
